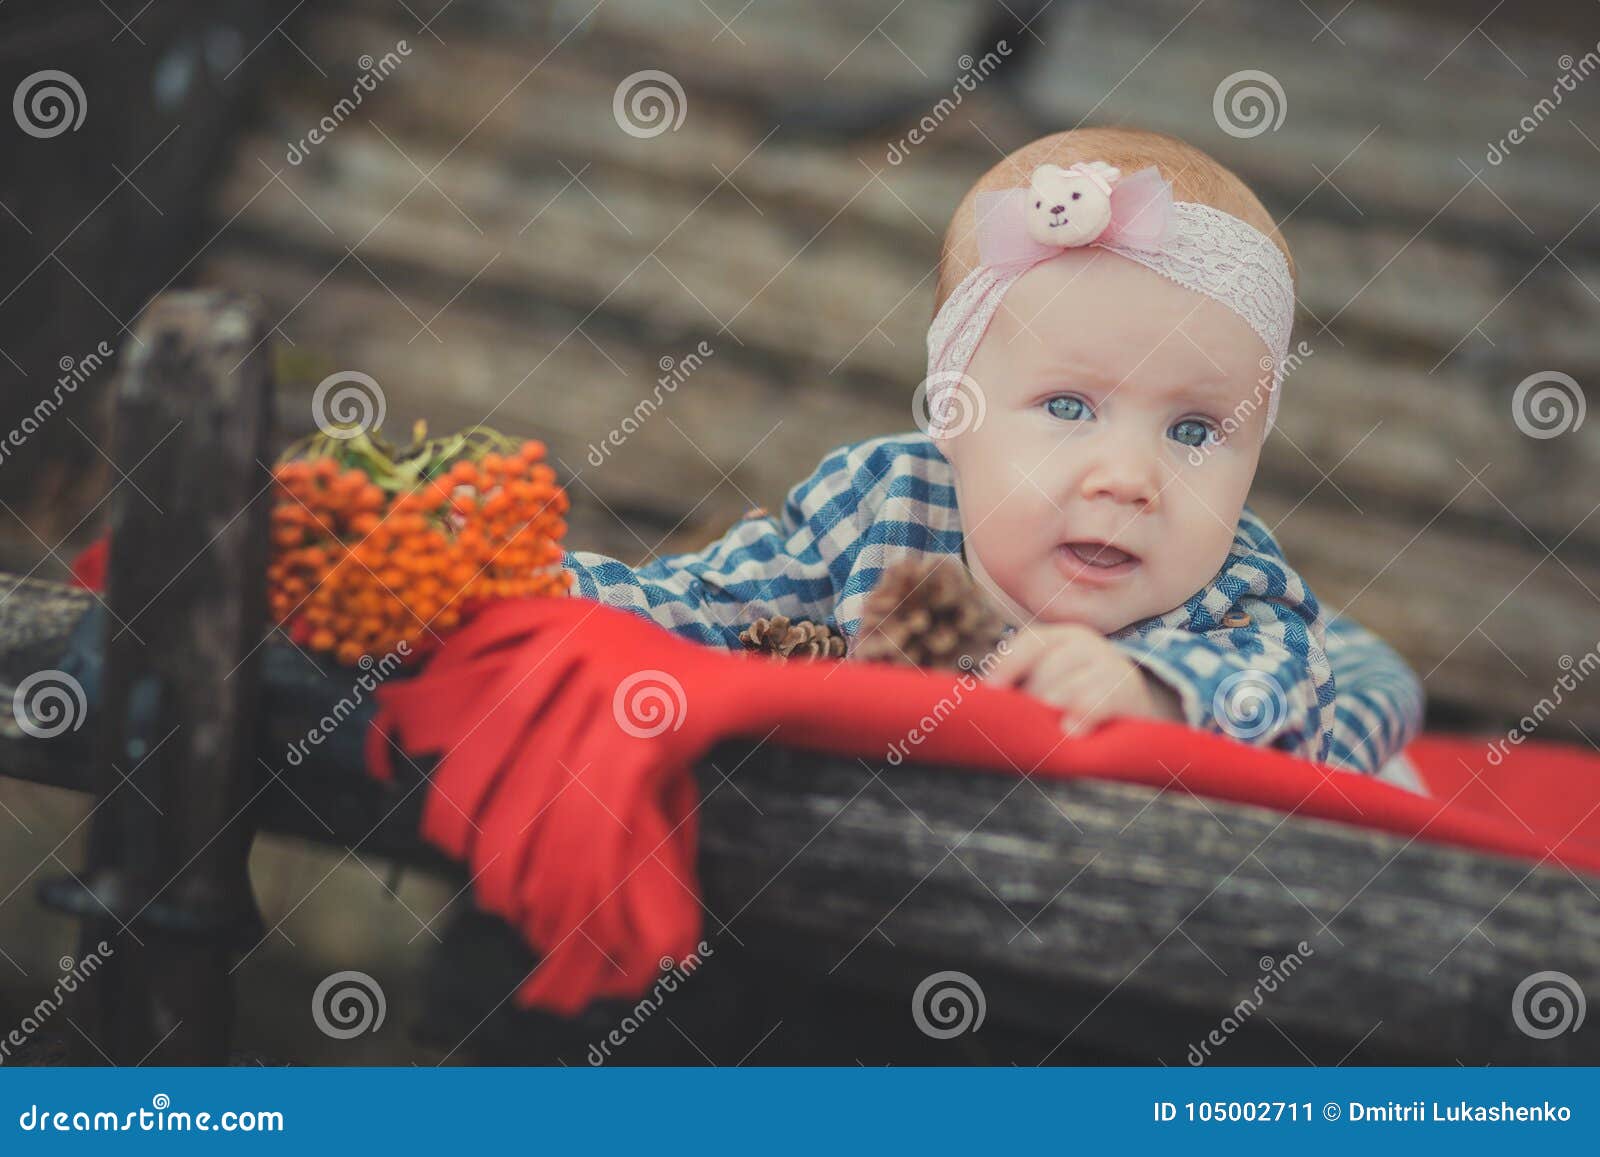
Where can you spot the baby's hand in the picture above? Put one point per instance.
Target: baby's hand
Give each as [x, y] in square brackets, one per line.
[1078, 669]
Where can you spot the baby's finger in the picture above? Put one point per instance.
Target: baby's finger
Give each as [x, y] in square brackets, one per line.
[1015, 666]
[1057, 692]
[1056, 670]
[1082, 699]
[1080, 715]
[1080, 725]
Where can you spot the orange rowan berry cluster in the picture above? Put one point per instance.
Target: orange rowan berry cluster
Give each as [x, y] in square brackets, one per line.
[365, 559]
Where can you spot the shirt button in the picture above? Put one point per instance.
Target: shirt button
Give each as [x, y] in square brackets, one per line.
[1236, 619]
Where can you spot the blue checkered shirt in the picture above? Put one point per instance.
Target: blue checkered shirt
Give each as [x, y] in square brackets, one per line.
[1288, 678]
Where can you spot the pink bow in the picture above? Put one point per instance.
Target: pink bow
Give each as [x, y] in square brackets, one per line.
[1141, 218]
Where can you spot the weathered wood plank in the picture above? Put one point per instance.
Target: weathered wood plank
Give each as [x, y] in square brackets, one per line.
[1399, 439]
[1488, 627]
[1446, 95]
[1045, 892]
[741, 273]
[1443, 96]
[1434, 299]
[1182, 914]
[1449, 297]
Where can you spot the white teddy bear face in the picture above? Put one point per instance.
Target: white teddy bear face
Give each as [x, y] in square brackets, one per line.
[1066, 207]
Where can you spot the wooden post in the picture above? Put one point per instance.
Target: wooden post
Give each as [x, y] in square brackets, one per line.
[166, 886]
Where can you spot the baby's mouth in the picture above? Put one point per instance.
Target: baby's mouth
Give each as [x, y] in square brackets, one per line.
[1100, 555]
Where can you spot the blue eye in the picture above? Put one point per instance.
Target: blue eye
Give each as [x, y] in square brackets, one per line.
[1191, 432]
[1068, 408]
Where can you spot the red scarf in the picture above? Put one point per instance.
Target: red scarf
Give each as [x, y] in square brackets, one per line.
[567, 731]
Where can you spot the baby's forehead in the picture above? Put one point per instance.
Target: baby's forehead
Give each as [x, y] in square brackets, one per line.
[1117, 319]
[1175, 377]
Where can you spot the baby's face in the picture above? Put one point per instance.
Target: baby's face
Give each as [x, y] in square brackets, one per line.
[1099, 486]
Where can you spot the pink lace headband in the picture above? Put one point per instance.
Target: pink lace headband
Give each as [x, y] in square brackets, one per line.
[1091, 203]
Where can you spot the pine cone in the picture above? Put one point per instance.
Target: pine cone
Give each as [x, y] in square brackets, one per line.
[782, 639]
[929, 614]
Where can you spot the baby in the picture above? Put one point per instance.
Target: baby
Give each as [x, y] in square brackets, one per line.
[1104, 363]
